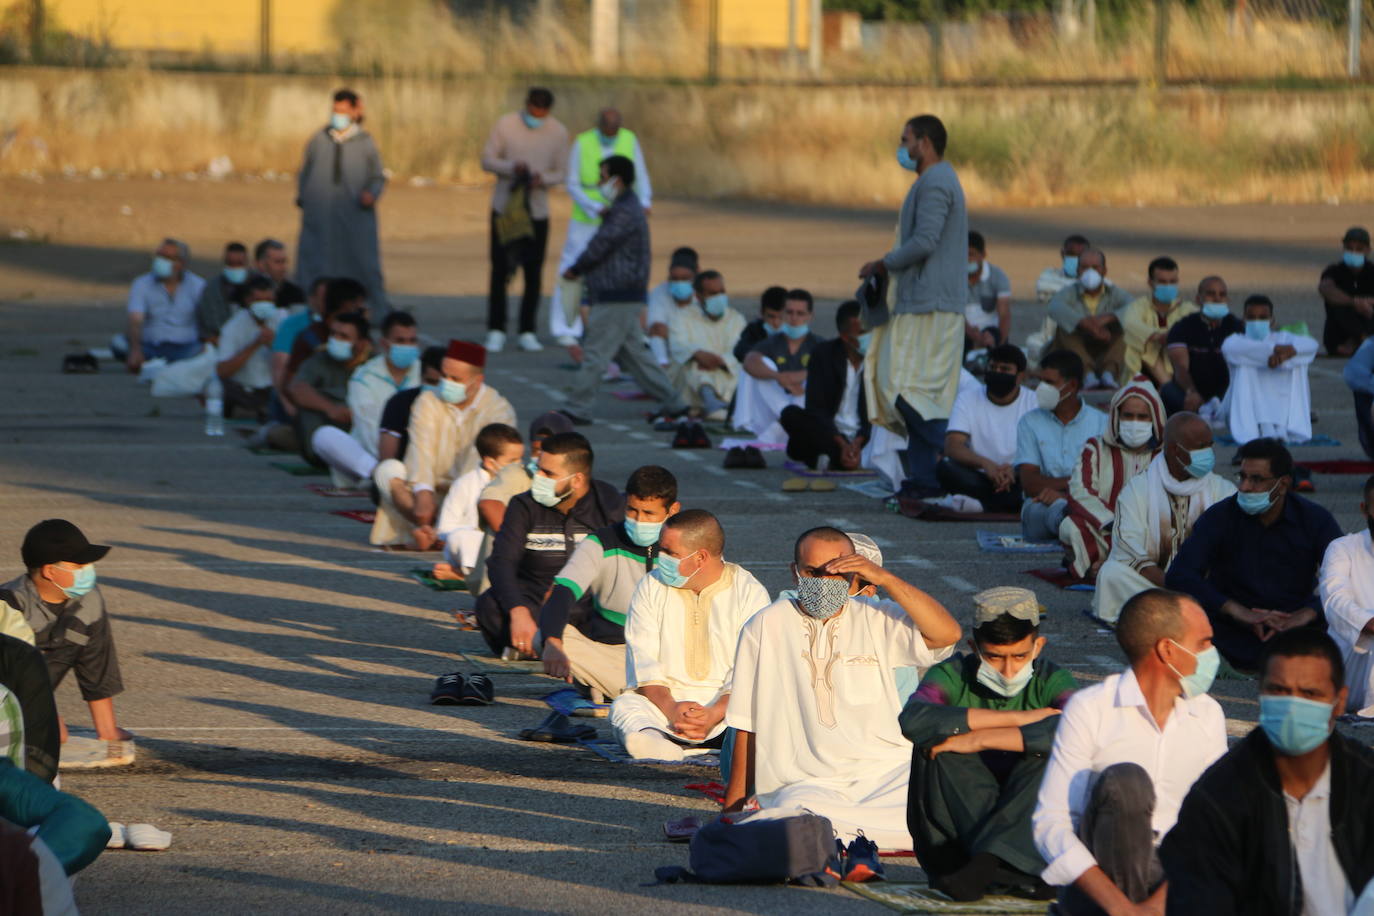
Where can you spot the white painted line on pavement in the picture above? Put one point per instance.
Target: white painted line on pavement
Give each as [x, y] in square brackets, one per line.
[640, 436]
[1102, 661]
[880, 541]
[618, 427]
[843, 524]
[688, 456]
[747, 484]
[961, 584]
[913, 560]
[712, 469]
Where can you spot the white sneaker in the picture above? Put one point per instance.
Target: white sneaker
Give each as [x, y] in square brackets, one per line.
[957, 502]
[1090, 381]
[529, 343]
[1108, 380]
[496, 341]
[566, 340]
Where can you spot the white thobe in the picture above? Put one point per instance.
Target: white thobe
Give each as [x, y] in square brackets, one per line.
[458, 525]
[1268, 402]
[822, 704]
[759, 402]
[1347, 593]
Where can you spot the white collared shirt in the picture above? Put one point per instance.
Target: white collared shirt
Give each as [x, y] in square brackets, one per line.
[1324, 886]
[1106, 724]
[847, 419]
[1347, 591]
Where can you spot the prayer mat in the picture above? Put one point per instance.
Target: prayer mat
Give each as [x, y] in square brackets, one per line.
[300, 469]
[929, 512]
[712, 790]
[613, 751]
[916, 897]
[1320, 440]
[1340, 466]
[995, 542]
[324, 489]
[631, 394]
[1061, 577]
[800, 468]
[406, 548]
[570, 702]
[737, 442]
[873, 489]
[366, 516]
[423, 576]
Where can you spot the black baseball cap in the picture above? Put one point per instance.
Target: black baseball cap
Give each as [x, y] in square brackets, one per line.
[57, 540]
[1356, 234]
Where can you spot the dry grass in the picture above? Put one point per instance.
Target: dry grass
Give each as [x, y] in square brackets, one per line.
[822, 145]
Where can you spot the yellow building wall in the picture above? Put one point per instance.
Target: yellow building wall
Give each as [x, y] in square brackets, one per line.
[763, 23]
[220, 26]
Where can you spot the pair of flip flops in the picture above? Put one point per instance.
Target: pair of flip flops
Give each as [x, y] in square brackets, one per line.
[456, 690]
[814, 484]
[143, 837]
[558, 729]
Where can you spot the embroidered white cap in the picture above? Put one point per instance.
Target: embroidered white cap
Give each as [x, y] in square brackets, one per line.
[992, 603]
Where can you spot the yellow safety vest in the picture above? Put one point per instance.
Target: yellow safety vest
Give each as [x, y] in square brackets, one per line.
[589, 156]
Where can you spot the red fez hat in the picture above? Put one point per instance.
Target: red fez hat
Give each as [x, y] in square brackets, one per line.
[467, 351]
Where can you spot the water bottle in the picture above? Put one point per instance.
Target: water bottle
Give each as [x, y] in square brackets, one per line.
[214, 407]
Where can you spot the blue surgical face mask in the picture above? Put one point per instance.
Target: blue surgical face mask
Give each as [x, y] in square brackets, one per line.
[681, 290]
[83, 580]
[1002, 685]
[339, 121]
[532, 465]
[904, 159]
[668, 570]
[339, 349]
[1353, 259]
[235, 275]
[1166, 292]
[163, 267]
[642, 534]
[1257, 329]
[796, 331]
[1200, 462]
[544, 490]
[716, 305]
[865, 341]
[1200, 681]
[403, 356]
[605, 140]
[974, 267]
[1215, 311]
[451, 392]
[530, 120]
[1071, 265]
[262, 309]
[1294, 725]
[433, 389]
[1256, 503]
[771, 330]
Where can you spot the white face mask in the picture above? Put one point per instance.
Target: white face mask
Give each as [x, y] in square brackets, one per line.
[1002, 685]
[1048, 396]
[1091, 279]
[609, 188]
[1135, 433]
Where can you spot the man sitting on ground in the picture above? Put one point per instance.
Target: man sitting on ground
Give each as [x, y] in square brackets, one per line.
[834, 423]
[1269, 394]
[766, 325]
[443, 427]
[666, 298]
[1125, 753]
[1088, 323]
[987, 315]
[393, 430]
[1147, 321]
[699, 341]
[775, 371]
[1156, 511]
[162, 309]
[270, 260]
[64, 607]
[219, 299]
[1200, 376]
[813, 700]
[680, 637]
[1252, 560]
[1281, 823]
[977, 470]
[352, 455]
[1347, 291]
[245, 366]
[319, 388]
[1065, 273]
[981, 726]
[1049, 441]
[458, 527]
[539, 531]
[1347, 596]
[588, 648]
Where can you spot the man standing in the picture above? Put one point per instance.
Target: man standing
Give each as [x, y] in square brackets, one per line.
[589, 149]
[1252, 559]
[980, 441]
[1087, 320]
[162, 308]
[981, 726]
[834, 422]
[1347, 291]
[340, 181]
[1147, 321]
[218, 301]
[912, 376]
[1347, 595]
[1125, 754]
[616, 265]
[1200, 376]
[527, 152]
[1281, 824]
[1156, 512]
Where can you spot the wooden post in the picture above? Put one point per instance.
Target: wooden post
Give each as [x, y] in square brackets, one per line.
[793, 61]
[1352, 49]
[1161, 75]
[265, 35]
[38, 26]
[713, 41]
[814, 48]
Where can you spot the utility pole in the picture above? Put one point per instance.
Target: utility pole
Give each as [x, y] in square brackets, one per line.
[265, 35]
[605, 34]
[1162, 41]
[793, 59]
[1352, 51]
[713, 41]
[38, 26]
[814, 48]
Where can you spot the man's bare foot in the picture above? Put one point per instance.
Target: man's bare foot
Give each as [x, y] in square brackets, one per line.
[425, 538]
[445, 571]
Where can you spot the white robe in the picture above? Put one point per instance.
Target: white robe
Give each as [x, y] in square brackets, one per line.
[459, 526]
[1347, 593]
[1268, 402]
[760, 402]
[822, 704]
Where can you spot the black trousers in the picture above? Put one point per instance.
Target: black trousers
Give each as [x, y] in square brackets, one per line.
[1117, 831]
[809, 437]
[1364, 422]
[500, 277]
[955, 478]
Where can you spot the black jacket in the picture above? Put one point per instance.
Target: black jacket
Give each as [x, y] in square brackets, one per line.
[1230, 853]
[825, 378]
[615, 263]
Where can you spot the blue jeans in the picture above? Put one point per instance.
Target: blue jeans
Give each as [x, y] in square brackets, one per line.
[1040, 522]
[170, 351]
[925, 442]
